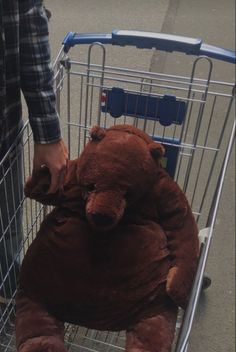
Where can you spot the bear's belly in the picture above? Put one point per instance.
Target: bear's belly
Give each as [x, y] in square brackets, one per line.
[95, 280]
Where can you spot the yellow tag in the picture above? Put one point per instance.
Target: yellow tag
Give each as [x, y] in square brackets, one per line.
[164, 162]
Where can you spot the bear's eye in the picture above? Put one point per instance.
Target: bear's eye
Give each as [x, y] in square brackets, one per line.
[128, 195]
[90, 187]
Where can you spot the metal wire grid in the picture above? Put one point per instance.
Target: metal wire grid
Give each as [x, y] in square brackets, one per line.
[81, 339]
[204, 135]
[25, 218]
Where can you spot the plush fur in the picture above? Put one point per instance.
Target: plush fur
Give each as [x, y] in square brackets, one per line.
[118, 252]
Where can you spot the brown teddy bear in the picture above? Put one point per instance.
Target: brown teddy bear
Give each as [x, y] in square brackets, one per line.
[118, 252]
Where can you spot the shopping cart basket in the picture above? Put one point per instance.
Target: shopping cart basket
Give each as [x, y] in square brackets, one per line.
[191, 114]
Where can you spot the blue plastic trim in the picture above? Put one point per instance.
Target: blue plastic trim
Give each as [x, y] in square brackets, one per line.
[72, 39]
[167, 109]
[170, 158]
[160, 41]
[148, 40]
[218, 53]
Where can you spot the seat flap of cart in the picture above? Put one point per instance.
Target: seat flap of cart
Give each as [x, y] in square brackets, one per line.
[166, 110]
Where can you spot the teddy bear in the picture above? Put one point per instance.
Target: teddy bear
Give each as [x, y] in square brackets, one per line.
[118, 251]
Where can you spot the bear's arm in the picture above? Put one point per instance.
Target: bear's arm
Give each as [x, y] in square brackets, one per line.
[38, 184]
[177, 220]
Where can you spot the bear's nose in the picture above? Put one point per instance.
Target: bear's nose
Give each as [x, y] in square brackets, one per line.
[101, 220]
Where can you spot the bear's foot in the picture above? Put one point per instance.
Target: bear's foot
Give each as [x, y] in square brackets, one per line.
[153, 334]
[36, 329]
[43, 344]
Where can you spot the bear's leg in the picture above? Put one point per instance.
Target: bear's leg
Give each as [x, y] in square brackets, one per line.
[36, 329]
[154, 334]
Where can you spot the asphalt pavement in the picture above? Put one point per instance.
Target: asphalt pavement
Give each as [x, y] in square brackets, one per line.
[213, 21]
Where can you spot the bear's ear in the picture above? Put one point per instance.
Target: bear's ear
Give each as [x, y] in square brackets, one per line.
[156, 150]
[97, 133]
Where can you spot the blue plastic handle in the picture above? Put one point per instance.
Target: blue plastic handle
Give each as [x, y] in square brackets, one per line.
[72, 39]
[149, 40]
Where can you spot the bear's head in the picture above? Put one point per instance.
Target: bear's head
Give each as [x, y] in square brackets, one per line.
[118, 166]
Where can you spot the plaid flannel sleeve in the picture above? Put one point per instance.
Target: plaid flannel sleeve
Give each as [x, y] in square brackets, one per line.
[36, 72]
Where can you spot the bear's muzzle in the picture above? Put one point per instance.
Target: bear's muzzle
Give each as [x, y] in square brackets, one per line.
[105, 209]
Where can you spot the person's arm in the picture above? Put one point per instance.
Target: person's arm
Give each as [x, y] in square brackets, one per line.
[37, 87]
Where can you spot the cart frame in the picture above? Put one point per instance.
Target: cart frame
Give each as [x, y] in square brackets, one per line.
[191, 144]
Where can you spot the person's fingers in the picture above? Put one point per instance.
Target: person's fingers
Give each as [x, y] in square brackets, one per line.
[62, 176]
[55, 157]
[36, 165]
[57, 179]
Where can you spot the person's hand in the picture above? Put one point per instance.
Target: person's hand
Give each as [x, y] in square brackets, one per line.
[54, 156]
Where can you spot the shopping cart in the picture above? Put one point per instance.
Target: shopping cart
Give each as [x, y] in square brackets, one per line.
[191, 114]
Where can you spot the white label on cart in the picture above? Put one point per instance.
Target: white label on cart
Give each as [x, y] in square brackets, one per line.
[103, 99]
[204, 234]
